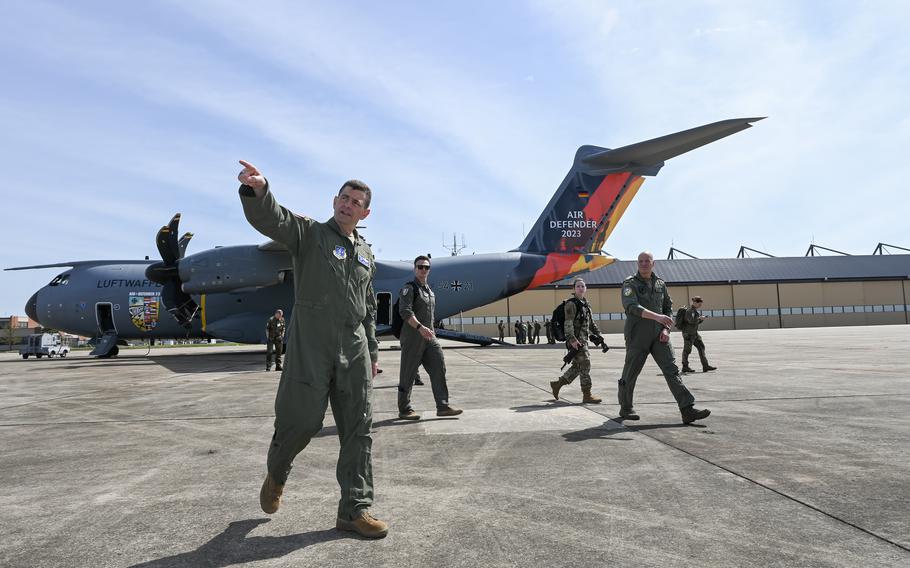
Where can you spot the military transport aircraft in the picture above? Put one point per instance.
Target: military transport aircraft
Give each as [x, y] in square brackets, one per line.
[229, 292]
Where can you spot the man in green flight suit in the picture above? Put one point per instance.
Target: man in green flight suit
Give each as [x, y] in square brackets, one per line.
[333, 354]
[648, 306]
[579, 325]
[691, 321]
[419, 346]
[274, 333]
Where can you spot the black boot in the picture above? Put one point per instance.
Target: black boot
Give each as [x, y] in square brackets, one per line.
[691, 414]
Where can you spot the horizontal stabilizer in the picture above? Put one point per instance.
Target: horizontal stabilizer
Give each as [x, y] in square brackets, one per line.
[601, 184]
[657, 150]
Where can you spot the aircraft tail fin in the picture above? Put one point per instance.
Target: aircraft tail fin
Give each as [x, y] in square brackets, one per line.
[602, 182]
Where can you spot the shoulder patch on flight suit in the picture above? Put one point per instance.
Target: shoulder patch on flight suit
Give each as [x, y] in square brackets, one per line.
[340, 252]
[405, 291]
[363, 260]
[627, 291]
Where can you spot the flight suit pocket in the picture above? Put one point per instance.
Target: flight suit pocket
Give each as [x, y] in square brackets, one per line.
[335, 255]
[361, 273]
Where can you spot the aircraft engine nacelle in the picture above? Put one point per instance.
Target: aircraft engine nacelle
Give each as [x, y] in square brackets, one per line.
[225, 269]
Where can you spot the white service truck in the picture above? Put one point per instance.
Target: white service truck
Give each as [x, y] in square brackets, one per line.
[41, 344]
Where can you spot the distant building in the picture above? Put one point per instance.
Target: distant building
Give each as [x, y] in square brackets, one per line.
[14, 329]
[739, 293]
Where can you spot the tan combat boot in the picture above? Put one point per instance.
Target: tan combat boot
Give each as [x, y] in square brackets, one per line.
[270, 494]
[365, 525]
[589, 398]
[555, 386]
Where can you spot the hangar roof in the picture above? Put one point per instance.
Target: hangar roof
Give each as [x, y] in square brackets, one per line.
[758, 270]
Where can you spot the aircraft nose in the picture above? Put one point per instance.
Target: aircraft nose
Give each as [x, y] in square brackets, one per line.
[31, 307]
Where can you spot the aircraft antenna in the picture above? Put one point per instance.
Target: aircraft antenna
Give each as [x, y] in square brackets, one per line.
[454, 248]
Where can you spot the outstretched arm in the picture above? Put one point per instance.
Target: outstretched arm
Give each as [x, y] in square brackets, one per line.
[265, 214]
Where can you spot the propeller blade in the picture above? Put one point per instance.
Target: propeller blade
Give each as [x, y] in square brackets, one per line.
[182, 244]
[167, 241]
[179, 303]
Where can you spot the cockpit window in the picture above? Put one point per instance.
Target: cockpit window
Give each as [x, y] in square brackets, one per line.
[60, 280]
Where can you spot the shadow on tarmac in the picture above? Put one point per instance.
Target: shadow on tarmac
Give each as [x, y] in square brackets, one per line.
[604, 432]
[177, 363]
[333, 431]
[233, 546]
[546, 406]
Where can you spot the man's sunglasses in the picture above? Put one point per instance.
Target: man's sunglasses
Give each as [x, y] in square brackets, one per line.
[423, 267]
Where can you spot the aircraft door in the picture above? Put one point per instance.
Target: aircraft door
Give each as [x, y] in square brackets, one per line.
[104, 313]
[384, 308]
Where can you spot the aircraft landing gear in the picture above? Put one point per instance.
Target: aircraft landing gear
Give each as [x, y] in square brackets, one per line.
[112, 353]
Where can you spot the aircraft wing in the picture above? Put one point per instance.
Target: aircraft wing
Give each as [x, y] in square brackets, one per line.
[449, 334]
[80, 263]
[272, 246]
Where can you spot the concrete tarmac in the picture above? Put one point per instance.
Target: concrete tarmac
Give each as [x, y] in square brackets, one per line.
[157, 461]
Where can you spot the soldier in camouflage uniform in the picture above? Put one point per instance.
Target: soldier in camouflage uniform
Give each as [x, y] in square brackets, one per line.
[578, 326]
[419, 346]
[333, 353]
[274, 334]
[648, 306]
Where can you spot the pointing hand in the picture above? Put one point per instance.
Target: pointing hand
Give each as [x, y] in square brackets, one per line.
[251, 176]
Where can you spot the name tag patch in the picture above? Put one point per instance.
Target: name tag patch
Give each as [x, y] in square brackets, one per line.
[363, 260]
[340, 252]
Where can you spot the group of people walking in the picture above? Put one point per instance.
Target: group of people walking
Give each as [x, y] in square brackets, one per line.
[648, 308]
[334, 353]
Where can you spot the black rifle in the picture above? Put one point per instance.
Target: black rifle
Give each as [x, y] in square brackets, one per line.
[599, 341]
[568, 358]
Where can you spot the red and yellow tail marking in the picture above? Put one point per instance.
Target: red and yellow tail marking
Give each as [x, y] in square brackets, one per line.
[559, 266]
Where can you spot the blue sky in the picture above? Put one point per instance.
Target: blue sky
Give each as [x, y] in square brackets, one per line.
[463, 118]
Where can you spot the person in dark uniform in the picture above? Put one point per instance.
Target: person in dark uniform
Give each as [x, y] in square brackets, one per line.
[536, 332]
[502, 330]
[274, 333]
[579, 325]
[548, 327]
[648, 306]
[419, 346]
[333, 354]
[691, 337]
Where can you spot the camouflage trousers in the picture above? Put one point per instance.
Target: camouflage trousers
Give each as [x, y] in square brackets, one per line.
[581, 366]
[277, 346]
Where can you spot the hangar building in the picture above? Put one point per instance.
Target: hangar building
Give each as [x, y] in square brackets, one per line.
[739, 293]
